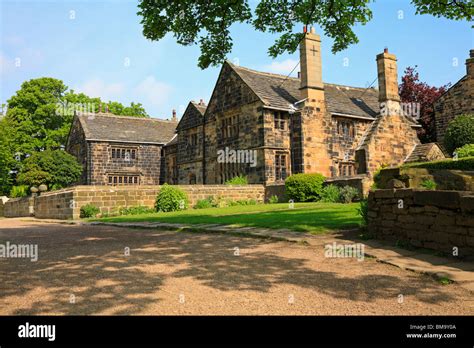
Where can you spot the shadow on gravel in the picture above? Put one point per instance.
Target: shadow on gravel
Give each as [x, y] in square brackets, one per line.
[90, 263]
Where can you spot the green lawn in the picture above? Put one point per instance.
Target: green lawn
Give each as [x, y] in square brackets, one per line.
[304, 217]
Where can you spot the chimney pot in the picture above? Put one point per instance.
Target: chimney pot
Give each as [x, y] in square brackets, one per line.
[471, 53]
[305, 29]
[313, 31]
[385, 50]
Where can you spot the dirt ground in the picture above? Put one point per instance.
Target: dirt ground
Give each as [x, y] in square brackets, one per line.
[85, 270]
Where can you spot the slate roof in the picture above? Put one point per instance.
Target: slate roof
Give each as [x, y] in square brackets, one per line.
[278, 91]
[113, 128]
[421, 151]
[200, 107]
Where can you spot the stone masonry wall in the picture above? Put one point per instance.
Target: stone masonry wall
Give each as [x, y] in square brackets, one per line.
[459, 99]
[19, 207]
[66, 204]
[439, 220]
[146, 165]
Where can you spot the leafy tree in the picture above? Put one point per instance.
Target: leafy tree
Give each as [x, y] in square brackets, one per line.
[412, 90]
[6, 159]
[207, 23]
[55, 168]
[459, 132]
[72, 99]
[39, 117]
[32, 114]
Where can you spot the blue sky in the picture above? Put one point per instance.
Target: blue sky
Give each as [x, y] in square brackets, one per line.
[97, 47]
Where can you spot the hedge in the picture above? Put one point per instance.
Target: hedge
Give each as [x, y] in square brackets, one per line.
[304, 187]
[466, 163]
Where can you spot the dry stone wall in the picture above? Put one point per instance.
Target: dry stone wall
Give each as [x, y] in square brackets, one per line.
[439, 220]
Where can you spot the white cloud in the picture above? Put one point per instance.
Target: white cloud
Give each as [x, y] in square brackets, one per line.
[283, 67]
[153, 91]
[98, 88]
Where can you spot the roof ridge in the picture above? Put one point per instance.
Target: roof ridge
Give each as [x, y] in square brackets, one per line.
[124, 116]
[291, 77]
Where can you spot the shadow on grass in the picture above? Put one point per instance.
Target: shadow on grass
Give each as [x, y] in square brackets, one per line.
[89, 262]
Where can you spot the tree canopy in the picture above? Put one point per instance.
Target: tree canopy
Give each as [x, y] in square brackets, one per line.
[39, 117]
[412, 90]
[208, 23]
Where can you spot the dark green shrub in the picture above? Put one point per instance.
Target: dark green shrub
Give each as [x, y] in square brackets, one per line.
[465, 151]
[171, 198]
[19, 191]
[428, 184]
[348, 194]
[139, 209]
[459, 132]
[237, 180]
[89, 210]
[205, 203]
[363, 211]
[331, 194]
[273, 199]
[55, 168]
[466, 163]
[304, 187]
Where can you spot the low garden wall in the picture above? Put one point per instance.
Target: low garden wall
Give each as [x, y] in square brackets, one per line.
[66, 204]
[445, 179]
[275, 190]
[19, 207]
[361, 182]
[439, 220]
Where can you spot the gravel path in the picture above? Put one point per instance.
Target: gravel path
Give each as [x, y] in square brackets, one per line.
[84, 270]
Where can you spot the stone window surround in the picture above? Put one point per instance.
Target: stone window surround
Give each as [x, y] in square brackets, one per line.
[280, 166]
[280, 118]
[123, 151]
[123, 179]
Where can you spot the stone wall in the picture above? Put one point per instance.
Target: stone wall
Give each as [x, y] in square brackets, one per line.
[146, 165]
[459, 99]
[60, 204]
[439, 220]
[361, 182]
[445, 179]
[19, 207]
[67, 203]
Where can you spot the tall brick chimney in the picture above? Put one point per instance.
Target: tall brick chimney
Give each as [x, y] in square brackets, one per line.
[387, 76]
[311, 67]
[470, 64]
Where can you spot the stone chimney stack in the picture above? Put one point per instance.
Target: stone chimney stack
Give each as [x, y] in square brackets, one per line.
[174, 119]
[470, 64]
[311, 67]
[388, 77]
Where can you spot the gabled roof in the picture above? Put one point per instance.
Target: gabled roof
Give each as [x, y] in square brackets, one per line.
[113, 128]
[200, 108]
[279, 91]
[421, 152]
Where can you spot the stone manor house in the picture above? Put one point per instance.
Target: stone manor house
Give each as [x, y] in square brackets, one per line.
[291, 125]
